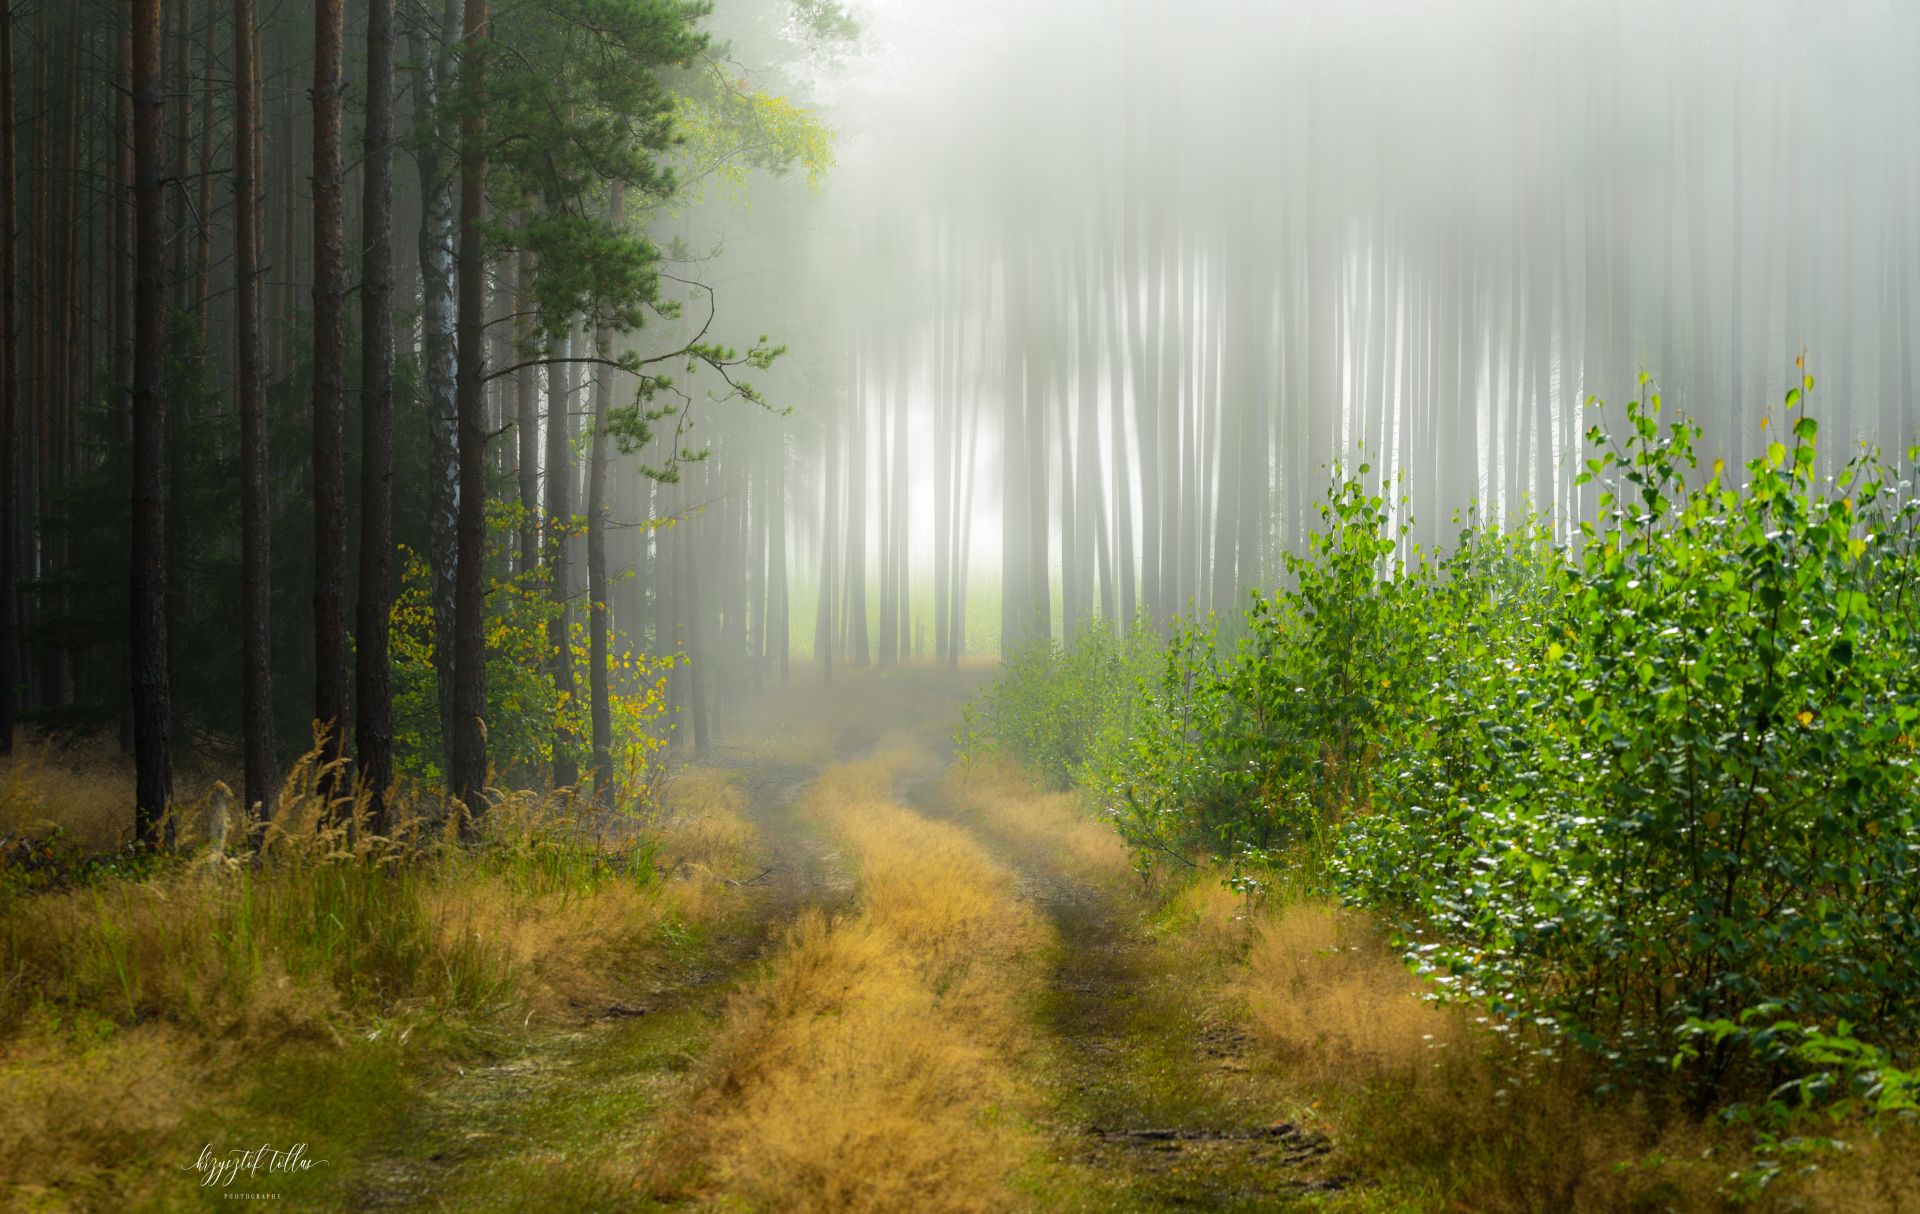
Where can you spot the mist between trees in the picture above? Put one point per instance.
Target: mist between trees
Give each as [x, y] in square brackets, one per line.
[868, 334]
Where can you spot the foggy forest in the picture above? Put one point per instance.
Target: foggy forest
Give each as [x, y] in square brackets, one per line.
[894, 605]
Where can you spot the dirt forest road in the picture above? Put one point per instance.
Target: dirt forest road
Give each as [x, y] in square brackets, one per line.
[933, 988]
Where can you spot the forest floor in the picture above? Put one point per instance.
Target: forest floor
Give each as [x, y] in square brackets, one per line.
[918, 983]
[1083, 1061]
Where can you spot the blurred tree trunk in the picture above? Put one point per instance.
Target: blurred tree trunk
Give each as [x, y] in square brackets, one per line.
[666, 589]
[889, 416]
[824, 632]
[696, 650]
[10, 382]
[330, 657]
[962, 562]
[759, 515]
[1124, 461]
[597, 588]
[373, 719]
[1015, 453]
[467, 771]
[203, 252]
[944, 448]
[1090, 477]
[256, 517]
[779, 593]
[902, 512]
[559, 512]
[181, 90]
[858, 649]
[152, 696]
[432, 75]
[527, 396]
[123, 315]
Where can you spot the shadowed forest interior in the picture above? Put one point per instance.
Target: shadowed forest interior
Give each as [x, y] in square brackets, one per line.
[886, 604]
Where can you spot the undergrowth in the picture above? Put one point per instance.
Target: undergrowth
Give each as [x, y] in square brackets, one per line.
[1649, 797]
[142, 995]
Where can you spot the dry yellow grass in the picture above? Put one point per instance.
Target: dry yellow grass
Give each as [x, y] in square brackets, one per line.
[71, 1108]
[1433, 1102]
[864, 1073]
[1053, 825]
[129, 1006]
[84, 789]
[1335, 1002]
[1876, 1175]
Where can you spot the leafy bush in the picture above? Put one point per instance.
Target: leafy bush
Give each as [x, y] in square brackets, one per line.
[527, 715]
[1653, 790]
[1053, 703]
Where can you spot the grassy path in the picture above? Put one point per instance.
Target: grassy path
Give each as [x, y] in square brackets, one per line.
[1148, 1095]
[556, 1124]
[996, 1020]
[918, 992]
[858, 978]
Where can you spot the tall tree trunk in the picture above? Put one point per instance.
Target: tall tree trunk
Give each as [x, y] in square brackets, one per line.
[780, 624]
[10, 380]
[757, 511]
[467, 773]
[527, 424]
[373, 715]
[945, 408]
[889, 637]
[1128, 601]
[559, 469]
[256, 518]
[824, 632]
[858, 651]
[330, 661]
[432, 75]
[123, 321]
[902, 516]
[182, 89]
[597, 640]
[696, 650]
[203, 252]
[147, 606]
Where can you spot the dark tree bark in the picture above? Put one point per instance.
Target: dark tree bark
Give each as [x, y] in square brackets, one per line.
[203, 250]
[9, 386]
[597, 641]
[182, 90]
[373, 717]
[467, 771]
[123, 319]
[330, 661]
[559, 511]
[147, 633]
[528, 422]
[256, 529]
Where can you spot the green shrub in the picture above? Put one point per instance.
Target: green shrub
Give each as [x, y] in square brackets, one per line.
[1652, 791]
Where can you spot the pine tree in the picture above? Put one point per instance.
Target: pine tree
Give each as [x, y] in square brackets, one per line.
[152, 690]
[256, 518]
[373, 717]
